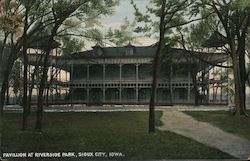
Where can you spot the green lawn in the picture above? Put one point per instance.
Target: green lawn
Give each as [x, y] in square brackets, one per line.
[124, 132]
[239, 125]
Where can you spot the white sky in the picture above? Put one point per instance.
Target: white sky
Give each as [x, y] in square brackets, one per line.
[125, 9]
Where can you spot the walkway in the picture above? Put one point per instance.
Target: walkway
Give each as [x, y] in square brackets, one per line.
[183, 124]
[116, 108]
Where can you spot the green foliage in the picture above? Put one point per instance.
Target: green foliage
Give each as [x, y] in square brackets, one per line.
[199, 33]
[176, 14]
[71, 44]
[242, 4]
[76, 17]
[95, 35]
[81, 25]
[10, 18]
[234, 12]
[123, 35]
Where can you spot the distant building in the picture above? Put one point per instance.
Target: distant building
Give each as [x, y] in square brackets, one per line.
[123, 75]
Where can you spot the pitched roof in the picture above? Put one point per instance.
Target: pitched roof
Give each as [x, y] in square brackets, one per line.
[115, 52]
[42, 43]
[130, 51]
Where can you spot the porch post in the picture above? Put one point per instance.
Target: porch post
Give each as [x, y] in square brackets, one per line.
[120, 81]
[104, 78]
[87, 83]
[137, 86]
[189, 87]
[208, 85]
[71, 75]
[171, 84]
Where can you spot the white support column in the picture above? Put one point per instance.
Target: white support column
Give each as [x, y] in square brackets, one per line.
[104, 79]
[71, 75]
[230, 103]
[120, 82]
[208, 85]
[67, 79]
[214, 96]
[221, 89]
[88, 83]
[60, 79]
[137, 79]
[171, 84]
[66, 75]
[88, 72]
[29, 72]
[189, 86]
[51, 69]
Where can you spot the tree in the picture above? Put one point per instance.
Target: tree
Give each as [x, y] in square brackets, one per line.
[27, 5]
[155, 67]
[32, 18]
[10, 26]
[61, 11]
[171, 14]
[248, 55]
[204, 36]
[15, 36]
[233, 19]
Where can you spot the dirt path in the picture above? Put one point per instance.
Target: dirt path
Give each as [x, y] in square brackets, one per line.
[183, 124]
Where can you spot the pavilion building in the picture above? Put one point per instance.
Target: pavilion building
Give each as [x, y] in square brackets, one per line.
[123, 75]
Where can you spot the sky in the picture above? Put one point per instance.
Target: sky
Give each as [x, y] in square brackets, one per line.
[126, 10]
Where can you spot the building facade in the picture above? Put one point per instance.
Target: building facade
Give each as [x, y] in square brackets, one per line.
[123, 75]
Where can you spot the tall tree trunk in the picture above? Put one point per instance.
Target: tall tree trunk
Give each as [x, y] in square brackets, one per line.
[47, 96]
[6, 74]
[40, 98]
[3, 46]
[243, 88]
[196, 92]
[39, 115]
[25, 71]
[58, 23]
[33, 84]
[25, 91]
[3, 92]
[240, 61]
[8, 95]
[30, 93]
[243, 74]
[156, 66]
[248, 78]
[239, 100]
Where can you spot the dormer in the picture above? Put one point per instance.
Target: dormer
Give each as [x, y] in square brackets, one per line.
[98, 49]
[129, 49]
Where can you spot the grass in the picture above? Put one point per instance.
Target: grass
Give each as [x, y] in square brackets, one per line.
[124, 132]
[239, 125]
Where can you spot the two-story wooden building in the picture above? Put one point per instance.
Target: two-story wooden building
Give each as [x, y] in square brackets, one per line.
[123, 75]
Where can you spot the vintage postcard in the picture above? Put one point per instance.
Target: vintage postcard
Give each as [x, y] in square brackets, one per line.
[124, 80]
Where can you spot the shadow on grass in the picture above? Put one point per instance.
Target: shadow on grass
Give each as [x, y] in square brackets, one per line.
[124, 132]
